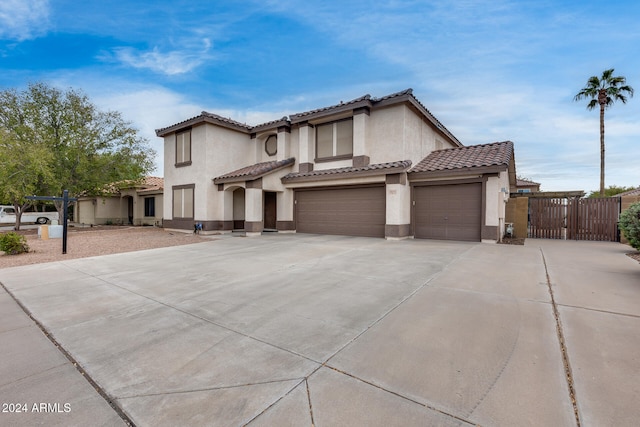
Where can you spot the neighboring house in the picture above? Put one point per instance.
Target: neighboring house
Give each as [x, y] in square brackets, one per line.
[127, 202]
[379, 167]
[630, 193]
[526, 186]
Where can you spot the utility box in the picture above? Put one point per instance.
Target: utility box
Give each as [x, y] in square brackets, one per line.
[43, 232]
[55, 232]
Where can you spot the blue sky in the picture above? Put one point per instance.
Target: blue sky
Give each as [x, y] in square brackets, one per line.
[490, 70]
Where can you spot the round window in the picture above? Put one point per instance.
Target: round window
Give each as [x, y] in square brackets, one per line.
[271, 145]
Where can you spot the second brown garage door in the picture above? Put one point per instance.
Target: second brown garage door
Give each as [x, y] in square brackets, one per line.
[448, 212]
[345, 211]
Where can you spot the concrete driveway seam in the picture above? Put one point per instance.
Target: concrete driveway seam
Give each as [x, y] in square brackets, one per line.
[303, 380]
[432, 278]
[110, 401]
[424, 405]
[615, 313]
[204, 319]
[562, 343]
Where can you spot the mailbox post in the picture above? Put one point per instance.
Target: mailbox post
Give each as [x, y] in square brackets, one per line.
[65, 199]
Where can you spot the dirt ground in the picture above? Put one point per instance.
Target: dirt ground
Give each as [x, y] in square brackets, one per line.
[99, 240]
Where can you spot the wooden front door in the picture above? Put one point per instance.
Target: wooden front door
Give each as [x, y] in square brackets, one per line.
[270, 210]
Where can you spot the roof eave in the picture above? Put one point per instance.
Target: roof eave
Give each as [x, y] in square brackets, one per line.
[200, 120]
[444, 173]
[331, 111]
[343, 175]
[244, 178]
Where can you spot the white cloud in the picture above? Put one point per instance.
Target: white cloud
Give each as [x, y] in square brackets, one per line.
[148, 108]
[170, 63]
[23, 19]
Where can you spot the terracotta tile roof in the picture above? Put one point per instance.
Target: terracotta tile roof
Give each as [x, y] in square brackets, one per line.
[473, 156]
[525, 183]
[337, 173]
[147, 183]
[634, 192]
[342, 105]
[253, 171]
[204, 117]
[154, 182]
[363, 101]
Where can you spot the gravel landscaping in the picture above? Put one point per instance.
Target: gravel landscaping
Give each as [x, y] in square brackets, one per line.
[100, 240]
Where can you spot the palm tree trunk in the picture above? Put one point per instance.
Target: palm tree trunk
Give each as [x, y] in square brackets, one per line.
[602, 150]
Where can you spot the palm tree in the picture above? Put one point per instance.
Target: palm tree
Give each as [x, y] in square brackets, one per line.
[604, 91]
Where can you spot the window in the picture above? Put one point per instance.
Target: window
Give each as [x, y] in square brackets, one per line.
[149, 206]
[183, 148]
[271, 145]
[183, 201]
[524, 190]
[334, 140]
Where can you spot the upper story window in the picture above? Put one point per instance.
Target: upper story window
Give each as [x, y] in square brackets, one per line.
[334, 140]
[183, 148]
[271, 145]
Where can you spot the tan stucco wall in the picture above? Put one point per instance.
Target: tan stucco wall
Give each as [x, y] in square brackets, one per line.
[114, 210]
[85, 212]
[214, 152]
[517, 211]
[398, 204]
[496, 199]
[398, 133]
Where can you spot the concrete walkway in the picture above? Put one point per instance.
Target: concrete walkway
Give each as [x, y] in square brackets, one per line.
[320, 330]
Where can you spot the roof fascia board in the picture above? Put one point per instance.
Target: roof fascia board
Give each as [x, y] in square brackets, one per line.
[353, 174]
[330, 111]
[416, 176]
[244, 178]
[201, 119]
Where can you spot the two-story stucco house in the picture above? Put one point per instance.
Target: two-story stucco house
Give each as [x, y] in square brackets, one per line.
[379, 167]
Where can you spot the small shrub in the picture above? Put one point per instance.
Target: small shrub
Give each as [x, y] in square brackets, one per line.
[13, 243]
[630, 225]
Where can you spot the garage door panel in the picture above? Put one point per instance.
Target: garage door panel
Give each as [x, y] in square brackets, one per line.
[346, 211]
[448, 212]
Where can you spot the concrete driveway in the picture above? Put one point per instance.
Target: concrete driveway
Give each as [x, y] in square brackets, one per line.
[328, 331]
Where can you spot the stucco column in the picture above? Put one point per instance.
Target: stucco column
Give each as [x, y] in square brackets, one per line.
[307, 147]
[253, 213]
[285, 211]
[360, 126]
[284, 142]
[398, 215]
[227, 205]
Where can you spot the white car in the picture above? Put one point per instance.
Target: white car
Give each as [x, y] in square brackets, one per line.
[8, 216]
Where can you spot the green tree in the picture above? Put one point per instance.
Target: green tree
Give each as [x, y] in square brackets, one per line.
[630, 224]
[604, 91]
[87, 148]
[610, 191]
[23, 164]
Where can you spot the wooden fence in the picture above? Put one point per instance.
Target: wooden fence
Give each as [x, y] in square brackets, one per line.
[574, 219]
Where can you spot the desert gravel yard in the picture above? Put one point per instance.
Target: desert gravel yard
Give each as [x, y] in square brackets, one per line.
[94, 241]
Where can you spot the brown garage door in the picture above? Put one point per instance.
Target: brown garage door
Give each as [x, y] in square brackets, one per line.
[448, 212]
[346, 211]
